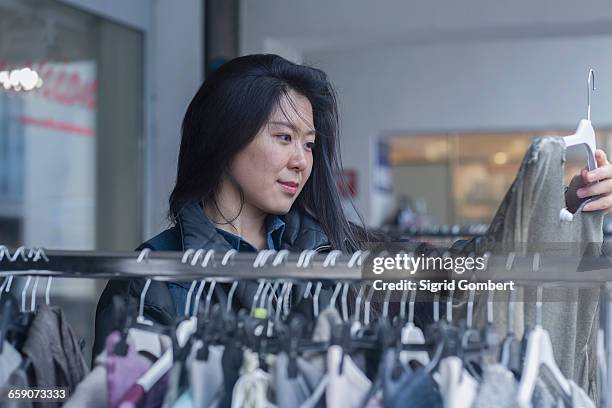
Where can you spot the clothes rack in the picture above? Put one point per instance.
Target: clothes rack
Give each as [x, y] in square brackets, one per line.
[172, 266]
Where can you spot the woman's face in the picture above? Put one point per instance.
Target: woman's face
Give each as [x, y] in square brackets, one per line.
[273, 168]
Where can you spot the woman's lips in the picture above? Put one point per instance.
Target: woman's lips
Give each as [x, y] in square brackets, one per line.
[289, 186]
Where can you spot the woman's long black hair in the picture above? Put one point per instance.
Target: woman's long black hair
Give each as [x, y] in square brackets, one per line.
[226, 114]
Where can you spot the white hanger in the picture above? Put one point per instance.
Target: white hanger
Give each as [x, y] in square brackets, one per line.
[411, 334]
[142, 339]
[184, 330]
[539, 353]
[585, 133]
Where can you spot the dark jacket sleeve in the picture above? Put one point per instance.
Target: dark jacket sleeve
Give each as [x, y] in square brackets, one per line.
[158, 302]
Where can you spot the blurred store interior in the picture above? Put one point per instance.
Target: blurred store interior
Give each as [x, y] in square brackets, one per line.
[438, 103]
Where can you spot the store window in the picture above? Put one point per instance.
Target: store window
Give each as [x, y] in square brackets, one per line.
[71, 96]
[461, 178]
[71, 131]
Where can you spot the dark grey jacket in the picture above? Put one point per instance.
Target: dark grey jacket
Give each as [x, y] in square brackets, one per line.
[194, 231]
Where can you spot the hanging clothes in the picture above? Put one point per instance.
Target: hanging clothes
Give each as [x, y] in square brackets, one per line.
[527, 221]
[206, 377]
[457, 386]
[92, 391]
[10, 360]
[498, 388]
[293, 392]
[403, 386]
[122, 371]
[54, 352]
[253, 388]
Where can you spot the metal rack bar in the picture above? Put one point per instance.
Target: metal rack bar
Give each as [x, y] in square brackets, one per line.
[587, 271]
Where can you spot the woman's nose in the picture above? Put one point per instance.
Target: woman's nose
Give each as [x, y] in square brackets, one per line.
[298, 159]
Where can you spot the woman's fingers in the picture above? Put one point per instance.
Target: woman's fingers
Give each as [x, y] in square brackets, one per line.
[603, 187]
[603, 203]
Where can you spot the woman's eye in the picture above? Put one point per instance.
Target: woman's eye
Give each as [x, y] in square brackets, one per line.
[310, 145]
[284, 138]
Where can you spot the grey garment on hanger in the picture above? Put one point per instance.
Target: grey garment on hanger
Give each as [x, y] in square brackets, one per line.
[528, 221]
[311, 368]
[326, 320]
[10, 359]
[293, 392]
[91, 392]
[206, 377]
[498, 388]
[349, 388]
[322, 332]
[54, 352]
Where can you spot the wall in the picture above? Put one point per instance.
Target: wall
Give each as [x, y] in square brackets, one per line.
[177, 72]
[513, 84]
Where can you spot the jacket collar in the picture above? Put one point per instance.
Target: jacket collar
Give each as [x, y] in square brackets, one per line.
[301, 231]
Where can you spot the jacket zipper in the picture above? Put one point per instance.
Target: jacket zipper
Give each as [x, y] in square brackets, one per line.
[322, 247]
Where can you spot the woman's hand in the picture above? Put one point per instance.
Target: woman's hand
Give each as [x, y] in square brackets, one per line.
[582, 187]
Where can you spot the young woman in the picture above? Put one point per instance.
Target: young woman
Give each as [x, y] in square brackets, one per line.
[257, 169]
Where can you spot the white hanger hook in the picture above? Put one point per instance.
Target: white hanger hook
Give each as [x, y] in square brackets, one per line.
[315, 299]
[184, 260]
[19, 252]
[281, 301]
[386, 304]
[144, 254]
[230, 296]
[590, 80]
[229, 255]
[413, 294]
[23, 293]
[403, 301]
[334, 297]
[367, 308]
[34, 292]
[48, 290]
[257, 295]
[307, 258]
[189, 295]
[198, 296]
[287, 300]
[209, 297]
[436, 307]
[40, 253]
[4, 252]
[210, 255]
[187, 254]
[280, 257]
[358, 302]
[345, 290]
